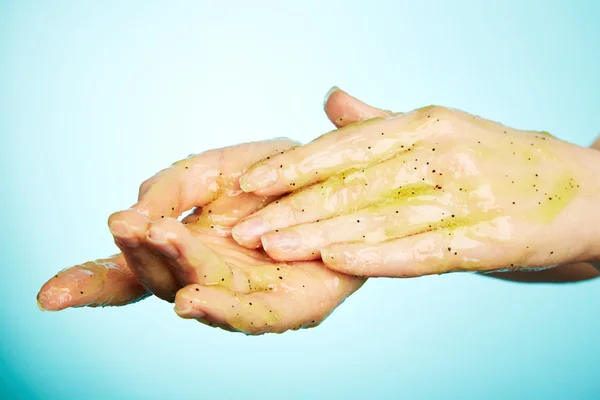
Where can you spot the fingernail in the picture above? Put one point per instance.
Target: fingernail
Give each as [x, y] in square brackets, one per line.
[251, 228]
[328, 95]
[259, 178]
[283, 241]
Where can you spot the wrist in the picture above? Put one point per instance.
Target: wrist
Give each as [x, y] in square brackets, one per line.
[590, 208]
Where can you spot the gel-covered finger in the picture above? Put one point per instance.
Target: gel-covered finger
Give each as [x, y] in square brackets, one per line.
[355, 146]
[129, 230]
[103, 282]
[189, 259]
[284, 296]
[372, 225]
[393, 180]
[243, 312]
[343, 109]
[479, 247]
[201, 178]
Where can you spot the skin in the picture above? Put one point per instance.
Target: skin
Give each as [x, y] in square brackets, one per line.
[196, 264]
[112, 282]
[343, 109]
[431, 191]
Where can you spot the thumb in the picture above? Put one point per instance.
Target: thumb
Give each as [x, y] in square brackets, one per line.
[343, 109]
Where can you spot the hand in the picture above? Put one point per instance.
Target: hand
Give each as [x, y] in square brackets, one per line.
[228, 286]
[343, 110]
[225, 284]
[110, 281]
[465, 214]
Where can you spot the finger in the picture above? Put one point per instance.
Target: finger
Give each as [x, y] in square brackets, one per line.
[392, 180]
[227, 210]
[302, 305]
[343, 109]
[373, 225]
[190, 260]
[199, 179]
[246, 313]
[355, 146]
[434, 252]
[129, 230]
[103, 282]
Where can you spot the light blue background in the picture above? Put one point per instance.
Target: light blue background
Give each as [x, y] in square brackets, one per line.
[97, 96]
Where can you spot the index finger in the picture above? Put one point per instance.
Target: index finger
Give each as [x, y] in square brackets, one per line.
[200, 179]
[103, 282]
[355, 146]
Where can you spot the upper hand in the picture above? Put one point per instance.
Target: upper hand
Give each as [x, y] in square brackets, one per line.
[430, 191]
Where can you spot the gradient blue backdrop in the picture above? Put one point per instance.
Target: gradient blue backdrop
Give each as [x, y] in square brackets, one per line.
[97, 96]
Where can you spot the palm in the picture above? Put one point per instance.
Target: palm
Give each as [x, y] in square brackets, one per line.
[227, 285]
[246, 290]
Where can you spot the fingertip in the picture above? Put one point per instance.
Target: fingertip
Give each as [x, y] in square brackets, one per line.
[74, 287]
[284, 246]
[188, 311]
[41, 305]
[342, 109]
[121, 231]
[128, 227]
[258, 178]
[247, 233]
[331, 91]
[334, 258]
[45, 303]
[189, 303]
